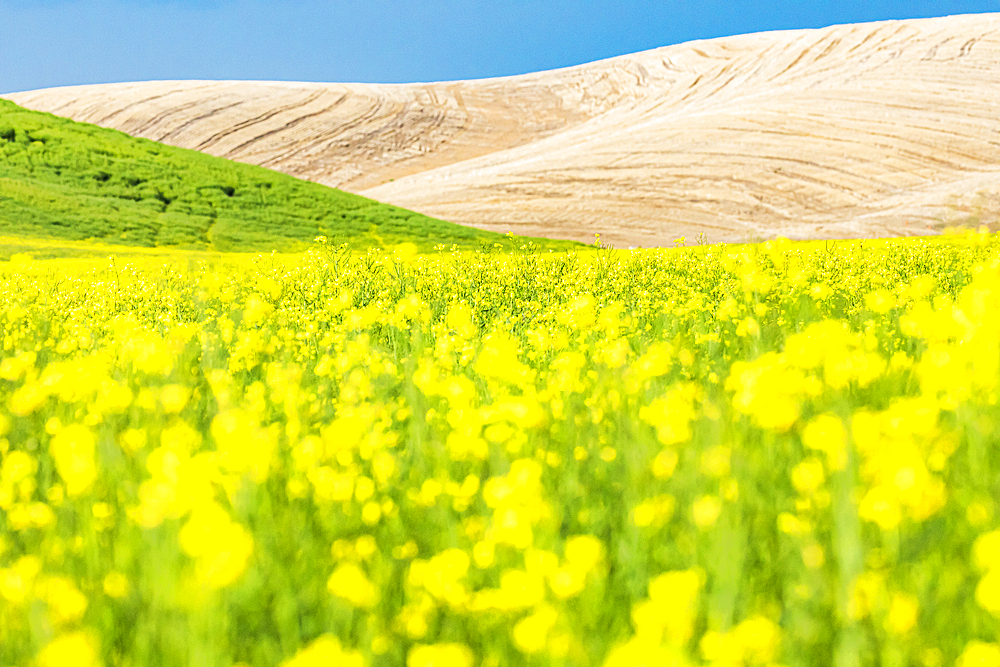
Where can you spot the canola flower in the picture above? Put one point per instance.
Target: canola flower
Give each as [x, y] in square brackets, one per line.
[781, 454]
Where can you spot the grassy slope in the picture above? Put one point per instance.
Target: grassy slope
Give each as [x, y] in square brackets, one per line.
[66, 180]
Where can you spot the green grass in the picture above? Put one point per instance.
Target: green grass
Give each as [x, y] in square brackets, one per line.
[60, 179]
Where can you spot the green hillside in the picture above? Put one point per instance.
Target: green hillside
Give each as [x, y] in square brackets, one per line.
[66, 180]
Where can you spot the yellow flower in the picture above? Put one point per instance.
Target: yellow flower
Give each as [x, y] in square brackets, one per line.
[349, 582]
[498, 359]
[516, 502]
[256, 311]
[669, 613]
[671, 414]
[325, 651]
[442, 575]
[813, 556]
[27, 399]
[439, 655]
[988, 592]
[770, 390]
[220, 546]
[520, 589]
[880, 506]
[116, 585]
[640, 652]
[721, 648]
[173, 398]
[17, 465]
[460, 320]
[867, 594]
[532, 631]
[365, 546]
[17, 581]
[903, 613]
[66, 603]
[653, 511]
[583, 552]
[244, 447]
[706, 511]
[880, 301]
[133, 440]
[758, 638]
[979, 654]
[483, 553]
[567, 582]
[809, 348]
[371, 513]
[825, 433]
[76, 648]
[665, 463]
[405, 251]
[73, 449]
[808, 476]
[791, 525]
[35, 515]
[748, 327]
[986, 550]
[13, 368]
[578, 313]
[330, 485]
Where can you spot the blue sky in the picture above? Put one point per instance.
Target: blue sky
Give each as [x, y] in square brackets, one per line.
[63, 42]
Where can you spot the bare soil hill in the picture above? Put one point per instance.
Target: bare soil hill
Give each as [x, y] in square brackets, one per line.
[877, 129]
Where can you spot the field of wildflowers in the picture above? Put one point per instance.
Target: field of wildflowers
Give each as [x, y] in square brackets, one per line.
[779, 454]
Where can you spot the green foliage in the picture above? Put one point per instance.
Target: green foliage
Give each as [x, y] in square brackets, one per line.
[67, 180]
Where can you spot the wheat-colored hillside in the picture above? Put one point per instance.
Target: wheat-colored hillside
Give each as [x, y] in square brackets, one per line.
[857, 130]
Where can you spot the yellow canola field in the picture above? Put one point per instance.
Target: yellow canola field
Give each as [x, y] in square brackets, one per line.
[782, 454]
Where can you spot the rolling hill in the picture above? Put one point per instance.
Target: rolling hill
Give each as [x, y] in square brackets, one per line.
[879, 129]
[61, 179]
